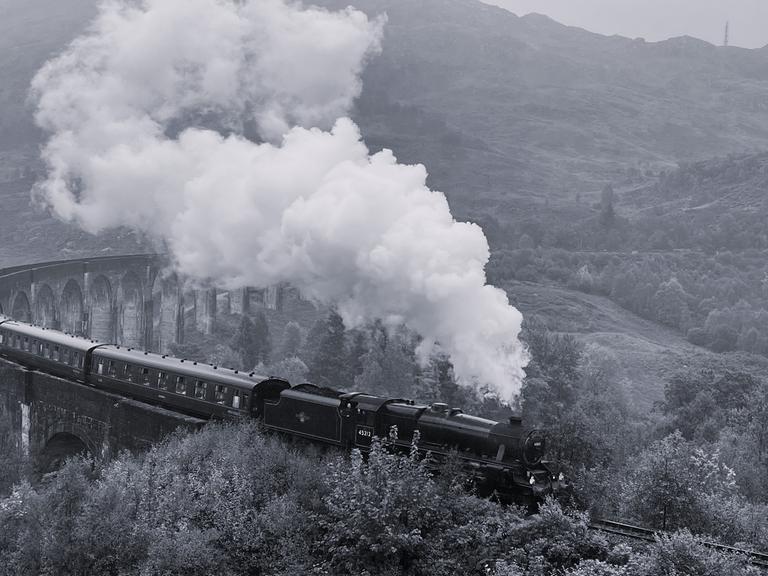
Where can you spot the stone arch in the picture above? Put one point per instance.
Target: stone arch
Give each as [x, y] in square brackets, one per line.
[130, 312]
[45, 307]
[20, 308]
[102, 321]
[71, 308]
[166, 303]
[60, 447]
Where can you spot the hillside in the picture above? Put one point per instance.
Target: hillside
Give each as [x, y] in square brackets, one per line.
[526, 109]
[512, 116]
[648, 353]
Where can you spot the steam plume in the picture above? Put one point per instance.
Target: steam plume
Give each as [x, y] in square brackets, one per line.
[307, 204]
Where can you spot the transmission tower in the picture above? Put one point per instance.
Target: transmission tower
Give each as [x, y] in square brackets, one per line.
[725, 41]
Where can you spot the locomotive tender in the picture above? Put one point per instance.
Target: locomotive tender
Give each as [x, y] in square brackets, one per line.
[502, 457]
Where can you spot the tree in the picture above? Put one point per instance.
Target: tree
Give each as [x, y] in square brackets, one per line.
[312, 342]
[607, 212]
[244, 343]
[291, 340]
[389, 367]
[672, 482]
[328, 365]
[292, 369]
[671, 304]
[251, 341]
[552, 376]
[263, 343]
[356, 351]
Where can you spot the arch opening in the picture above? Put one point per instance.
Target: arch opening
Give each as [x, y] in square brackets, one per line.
[20, 309]
[58, 449]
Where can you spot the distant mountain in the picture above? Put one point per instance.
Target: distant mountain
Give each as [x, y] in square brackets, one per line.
[526, 108]
[513, 117]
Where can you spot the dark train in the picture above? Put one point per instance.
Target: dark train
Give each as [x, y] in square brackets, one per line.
[502, 457]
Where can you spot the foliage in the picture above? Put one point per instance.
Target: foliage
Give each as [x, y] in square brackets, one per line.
[683, 554]
[327, 367]
[251, 341]
[292, 369]
[291, 344]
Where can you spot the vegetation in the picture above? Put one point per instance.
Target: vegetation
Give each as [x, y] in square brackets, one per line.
[229, 500]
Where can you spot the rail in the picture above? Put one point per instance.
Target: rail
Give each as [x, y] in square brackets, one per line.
[639, 533]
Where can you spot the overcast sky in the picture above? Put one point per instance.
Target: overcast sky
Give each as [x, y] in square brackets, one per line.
[658, 19]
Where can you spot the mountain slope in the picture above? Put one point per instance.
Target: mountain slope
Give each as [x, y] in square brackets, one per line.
[534, 109]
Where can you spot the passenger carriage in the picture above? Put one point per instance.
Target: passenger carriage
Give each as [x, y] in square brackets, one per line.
[52, 351]
[194, 388]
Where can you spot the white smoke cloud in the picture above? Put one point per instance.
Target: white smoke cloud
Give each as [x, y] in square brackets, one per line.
[308, 206]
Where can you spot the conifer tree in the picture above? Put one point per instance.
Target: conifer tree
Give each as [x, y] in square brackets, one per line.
[251, 341]
[291, 341]
[244, 343]
[263, 343]
[328, 365]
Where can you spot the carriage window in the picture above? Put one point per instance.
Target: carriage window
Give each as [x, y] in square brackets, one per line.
[200, 388]
[181, 386]
[162, 380]
[220, 393]
[39, 347]
[79, 359]
[26, 343]
[236, 399]
[145, 376]
[111, 369]
[47, 350]
[16, 341]
[128, 372]
[56, 354]
[2, 337]
[100, 367]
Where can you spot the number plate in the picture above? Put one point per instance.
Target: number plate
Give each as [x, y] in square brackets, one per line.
[364, 435]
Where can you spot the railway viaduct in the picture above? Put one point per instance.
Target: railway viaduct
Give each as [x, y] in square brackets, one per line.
[131, 300]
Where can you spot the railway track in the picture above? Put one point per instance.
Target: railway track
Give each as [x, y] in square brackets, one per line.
[639, 533]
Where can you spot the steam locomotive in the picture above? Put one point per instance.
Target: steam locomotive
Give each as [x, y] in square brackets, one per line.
[502, 457]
